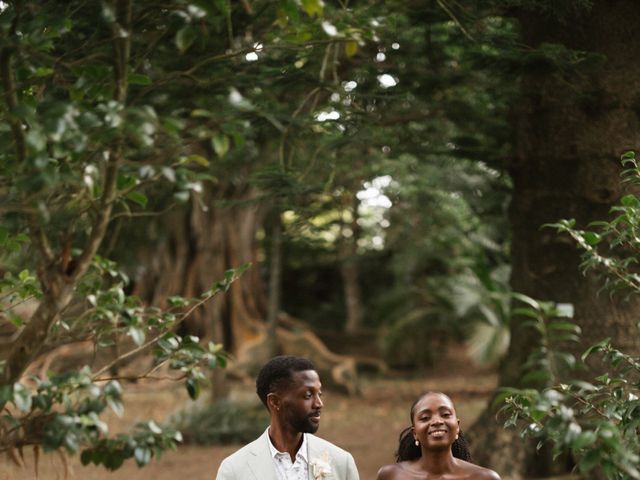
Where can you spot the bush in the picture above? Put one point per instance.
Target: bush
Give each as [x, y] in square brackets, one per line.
[222, 422]
[597, 422]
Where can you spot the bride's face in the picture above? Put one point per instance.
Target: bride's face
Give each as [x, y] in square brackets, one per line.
[435, 423]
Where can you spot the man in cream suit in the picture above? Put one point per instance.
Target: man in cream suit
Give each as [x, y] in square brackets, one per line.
[290, 389]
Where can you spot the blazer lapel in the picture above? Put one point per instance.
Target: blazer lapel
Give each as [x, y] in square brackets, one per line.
[311, 454]
[317, 453]
[259, 460]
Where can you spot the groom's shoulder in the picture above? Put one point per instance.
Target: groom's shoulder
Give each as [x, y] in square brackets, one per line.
[248, 449]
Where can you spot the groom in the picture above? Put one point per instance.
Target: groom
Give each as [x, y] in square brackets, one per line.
[290, 389]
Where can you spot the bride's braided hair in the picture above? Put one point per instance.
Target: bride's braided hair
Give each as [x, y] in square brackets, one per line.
[408, 450]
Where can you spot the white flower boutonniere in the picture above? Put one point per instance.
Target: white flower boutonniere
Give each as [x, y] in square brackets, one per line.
[320, 467]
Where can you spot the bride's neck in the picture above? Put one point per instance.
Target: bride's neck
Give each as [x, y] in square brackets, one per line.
[438, 462]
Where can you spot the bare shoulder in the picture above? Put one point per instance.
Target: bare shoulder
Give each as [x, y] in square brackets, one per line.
[482, 473]
[476, 472]
[388, 472]
[487, 474]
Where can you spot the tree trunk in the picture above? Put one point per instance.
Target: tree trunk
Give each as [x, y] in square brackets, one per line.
[349, 271]
[275, 283]
[571, 130]
[203, 244]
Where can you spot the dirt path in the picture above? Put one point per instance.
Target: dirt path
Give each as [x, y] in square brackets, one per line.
[367, 426]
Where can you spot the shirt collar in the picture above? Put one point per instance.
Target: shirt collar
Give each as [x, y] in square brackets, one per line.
[302, 451]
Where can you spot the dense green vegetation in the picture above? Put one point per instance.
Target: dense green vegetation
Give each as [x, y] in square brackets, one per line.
[364, 166]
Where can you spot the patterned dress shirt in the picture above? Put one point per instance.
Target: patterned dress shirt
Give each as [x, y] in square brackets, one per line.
[285, 468]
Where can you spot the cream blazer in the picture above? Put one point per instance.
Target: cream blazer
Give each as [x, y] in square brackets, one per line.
[254, 462]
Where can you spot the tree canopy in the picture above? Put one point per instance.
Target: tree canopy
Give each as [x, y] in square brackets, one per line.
[349, 162]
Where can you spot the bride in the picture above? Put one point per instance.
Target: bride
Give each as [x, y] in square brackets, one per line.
[433, 446]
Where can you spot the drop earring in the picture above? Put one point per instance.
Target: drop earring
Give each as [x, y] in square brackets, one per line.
[417, 443]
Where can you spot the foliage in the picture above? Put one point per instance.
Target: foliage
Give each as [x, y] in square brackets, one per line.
[64, 410]
[222, 422]
[611, 246]
[486, 298]
[427, 133]
[94, 130]
[597, 420]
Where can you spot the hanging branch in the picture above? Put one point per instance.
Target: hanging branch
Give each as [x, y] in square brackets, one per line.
[453, 17]
[121, 31]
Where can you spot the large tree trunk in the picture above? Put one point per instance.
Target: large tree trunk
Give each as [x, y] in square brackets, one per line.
[571, 130]
[275, 282]
[202, 245]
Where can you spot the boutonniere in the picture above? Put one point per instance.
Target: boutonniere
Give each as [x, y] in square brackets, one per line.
[320, 467]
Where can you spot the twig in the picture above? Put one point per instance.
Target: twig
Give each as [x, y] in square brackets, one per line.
[446, 8]
[154, 340]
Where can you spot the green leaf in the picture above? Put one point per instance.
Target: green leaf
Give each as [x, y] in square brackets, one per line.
[113, 460]
[137, 335]
[535, 376]
[6, 393]
[199, 159]
[528, 300]
[154, 428]
[598, 347]
[43, 72]
[526, 312]
[220, 143]
[138, 79]
[17, 321]
[86, 457]
[193, 388]
[116, 406]
[142, 456]
[568, 326]
[201, 113]
[184, 38]
[22, 397]
[350, 48]
[139, 198]
[590, 460]
[566, 358]
[222, 6]
[313, 8]
[591, 238]
[126, 181]
[584, 439]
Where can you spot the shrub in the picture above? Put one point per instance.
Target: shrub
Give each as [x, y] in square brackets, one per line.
[222, 422]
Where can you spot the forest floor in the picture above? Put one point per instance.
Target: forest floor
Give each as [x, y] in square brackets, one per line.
[367, 426]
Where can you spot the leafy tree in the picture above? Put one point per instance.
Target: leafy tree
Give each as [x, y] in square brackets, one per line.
[96, 130]
[592, 413]
[569, 130]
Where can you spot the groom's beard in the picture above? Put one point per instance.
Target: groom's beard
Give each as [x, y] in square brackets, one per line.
[302, 423]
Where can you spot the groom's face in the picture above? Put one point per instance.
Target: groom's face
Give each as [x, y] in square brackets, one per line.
[302, 402]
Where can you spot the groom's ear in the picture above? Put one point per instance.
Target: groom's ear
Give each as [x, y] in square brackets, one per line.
[273, 402]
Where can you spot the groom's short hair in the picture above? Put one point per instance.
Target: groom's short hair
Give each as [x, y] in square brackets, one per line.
[277, 373]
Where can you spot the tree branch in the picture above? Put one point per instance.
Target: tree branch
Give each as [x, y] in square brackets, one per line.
[121, 34]
[11, 100]
[154, 340]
